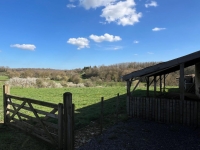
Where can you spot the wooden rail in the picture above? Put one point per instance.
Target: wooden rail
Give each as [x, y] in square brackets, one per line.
[185, 112]
[52, 123]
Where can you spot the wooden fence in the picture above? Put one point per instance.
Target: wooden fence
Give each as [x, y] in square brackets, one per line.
[185, 112]
[55, 126]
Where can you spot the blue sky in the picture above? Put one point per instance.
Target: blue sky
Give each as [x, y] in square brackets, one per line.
[71, 34]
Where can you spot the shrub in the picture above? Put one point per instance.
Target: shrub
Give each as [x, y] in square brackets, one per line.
[88, 83]
[75, 79]
[22, 82]
[33, 82]
[71, 84]
[64, 83]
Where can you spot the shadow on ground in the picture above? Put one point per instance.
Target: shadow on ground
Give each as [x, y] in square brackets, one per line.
[13, 139]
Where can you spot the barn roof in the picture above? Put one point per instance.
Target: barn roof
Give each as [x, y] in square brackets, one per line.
[165, 67]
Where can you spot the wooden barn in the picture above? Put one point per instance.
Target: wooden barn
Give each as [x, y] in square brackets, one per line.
[179, 110]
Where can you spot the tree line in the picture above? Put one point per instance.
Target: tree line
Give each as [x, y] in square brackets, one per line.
[90, 75]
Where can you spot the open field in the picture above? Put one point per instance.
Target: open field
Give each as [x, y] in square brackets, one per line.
[87, 108]
[86, 100]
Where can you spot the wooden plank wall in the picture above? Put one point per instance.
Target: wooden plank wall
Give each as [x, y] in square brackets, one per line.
[185, 112]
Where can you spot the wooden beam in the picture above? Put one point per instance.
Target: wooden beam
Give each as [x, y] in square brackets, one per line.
[151, 82]
[136, 85]
[160, 77]
[154, 79]
[128, 89]
[164, 77]
[181, 81]
[6, 90]
[147, 80]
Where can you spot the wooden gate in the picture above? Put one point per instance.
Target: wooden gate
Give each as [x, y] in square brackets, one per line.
[52, 123]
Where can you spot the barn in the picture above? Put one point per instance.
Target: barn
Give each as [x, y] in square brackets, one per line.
[159, 73]
[175, 110]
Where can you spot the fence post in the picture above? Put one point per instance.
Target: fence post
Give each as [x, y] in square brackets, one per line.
[6, 90]
[68, 121]
[101, 121]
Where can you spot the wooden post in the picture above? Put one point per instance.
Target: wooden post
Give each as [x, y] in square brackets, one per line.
[60, 126]
[147, 86]
[181, 81]
[68, 121]
[164, 82]
[6, 90]
[101, 121]
[154, 80]
[128, 96]
[160, 83]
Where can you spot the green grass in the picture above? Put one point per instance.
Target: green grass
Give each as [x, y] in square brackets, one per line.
[86, 100]
[4, 77]
[87, 109]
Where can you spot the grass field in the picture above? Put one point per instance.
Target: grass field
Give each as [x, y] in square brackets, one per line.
[87, 108]
[86, 100]
[3, 77]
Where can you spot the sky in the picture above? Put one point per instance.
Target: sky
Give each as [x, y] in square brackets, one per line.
[70, 34]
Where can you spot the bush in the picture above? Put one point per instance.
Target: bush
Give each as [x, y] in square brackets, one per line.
[88, 83]
[39, 83]
[75, 79]
[71, 84]
[33, 82]
[22, 82]
[64, 83]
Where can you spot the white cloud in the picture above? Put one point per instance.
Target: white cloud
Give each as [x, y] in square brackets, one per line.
[136, 42]
[87, 4]
[24, 46]
[114, 48]
[80, 42]
[151, 4]
[150, 53]
[158, 29]
[102, 22]
[122, 12]
[105, 37]
[70, 6]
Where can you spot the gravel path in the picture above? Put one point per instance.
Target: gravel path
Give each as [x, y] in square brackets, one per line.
[136, 134]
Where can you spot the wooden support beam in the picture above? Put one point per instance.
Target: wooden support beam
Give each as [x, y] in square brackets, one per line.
[6, 90]
[160, 77]
[128, 89]
[136, 84]
[151, 82]
[181, 81]
[147, 80]
[154, 79]
[164, 77]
